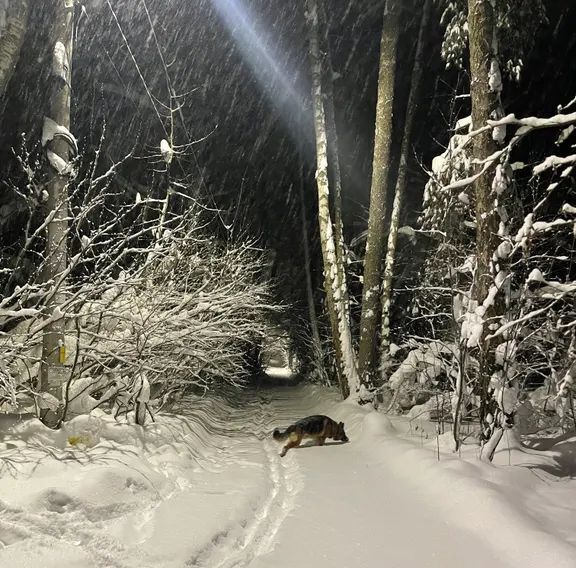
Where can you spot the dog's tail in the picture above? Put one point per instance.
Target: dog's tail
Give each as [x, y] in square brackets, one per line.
[280, 435]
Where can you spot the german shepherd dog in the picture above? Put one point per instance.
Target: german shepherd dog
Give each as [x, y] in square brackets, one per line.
[317, 427]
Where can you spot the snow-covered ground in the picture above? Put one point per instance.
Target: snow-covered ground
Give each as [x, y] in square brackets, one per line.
[206, 488]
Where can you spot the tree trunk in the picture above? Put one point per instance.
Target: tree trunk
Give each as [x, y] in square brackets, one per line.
[416, 79]
[345, 358]
[53, 369]
[485, 101]
[334, 155]
[378, 196]
[11, 39]
[317, 344]
[458, 396]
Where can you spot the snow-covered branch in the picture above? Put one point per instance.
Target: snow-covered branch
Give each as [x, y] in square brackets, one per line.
[149, 300]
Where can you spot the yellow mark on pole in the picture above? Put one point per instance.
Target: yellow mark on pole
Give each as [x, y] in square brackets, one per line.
[62, 354]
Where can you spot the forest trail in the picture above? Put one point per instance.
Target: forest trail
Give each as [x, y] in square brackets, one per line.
[206, 488]
[341, 505]
[351, 512]
[356, 506]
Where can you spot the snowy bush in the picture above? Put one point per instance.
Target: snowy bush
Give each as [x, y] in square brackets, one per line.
[151, 304]
[531, 336]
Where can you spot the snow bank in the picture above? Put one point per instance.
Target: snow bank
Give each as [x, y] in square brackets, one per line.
[520, 507]
[100, 493]
[511, 505]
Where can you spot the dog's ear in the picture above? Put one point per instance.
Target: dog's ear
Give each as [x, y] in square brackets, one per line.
[341, 424]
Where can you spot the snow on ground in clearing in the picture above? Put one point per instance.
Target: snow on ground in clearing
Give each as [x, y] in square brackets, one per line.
[279, 372]
[161, 496]
[206, 488]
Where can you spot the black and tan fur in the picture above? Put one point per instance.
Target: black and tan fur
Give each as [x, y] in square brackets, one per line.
[317, 427]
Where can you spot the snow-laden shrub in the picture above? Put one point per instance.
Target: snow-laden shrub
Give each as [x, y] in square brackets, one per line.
[426, 370]
[529, 336]
[186, 317]
[151, 303]
[423, 364]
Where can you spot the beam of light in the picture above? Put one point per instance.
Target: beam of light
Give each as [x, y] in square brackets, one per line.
[256, 48]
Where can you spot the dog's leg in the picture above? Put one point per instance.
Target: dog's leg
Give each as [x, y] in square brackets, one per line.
[293, 443]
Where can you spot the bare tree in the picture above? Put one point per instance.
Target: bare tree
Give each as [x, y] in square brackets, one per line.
[59, 145]
[416, 79]
[485, 87]
[333, 152]
[316, 342]
[335, 288]
[371, 309]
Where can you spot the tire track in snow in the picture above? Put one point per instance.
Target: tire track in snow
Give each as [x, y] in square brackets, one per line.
[237, 546]
[291, 484]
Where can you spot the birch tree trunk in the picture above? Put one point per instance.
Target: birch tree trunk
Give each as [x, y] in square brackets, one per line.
[334, 155]
[53, 372]
[416, 79]
[485, 101]
[367, 356]
[11, 39]
[335, 293]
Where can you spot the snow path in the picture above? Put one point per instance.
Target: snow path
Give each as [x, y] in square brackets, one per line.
[203, 489]
[206, 488]
[353, 512]
[231, 549]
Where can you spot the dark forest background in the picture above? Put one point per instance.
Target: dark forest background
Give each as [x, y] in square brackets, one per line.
[254, 128]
